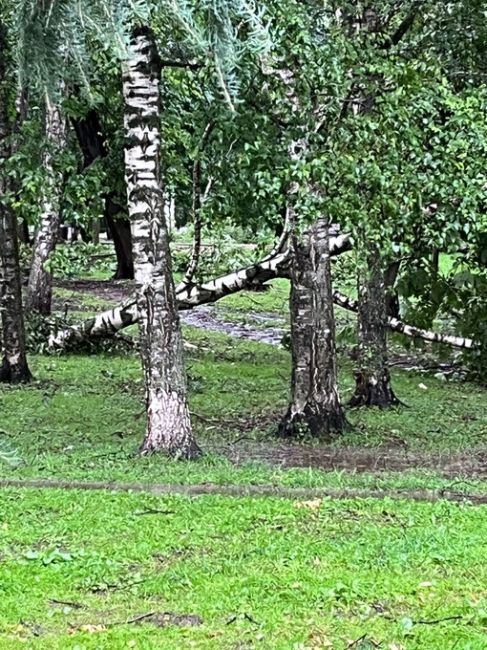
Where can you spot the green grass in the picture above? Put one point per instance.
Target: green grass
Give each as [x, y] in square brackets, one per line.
[83, 418]
[273, 301]
[294, 577]
[261, 572]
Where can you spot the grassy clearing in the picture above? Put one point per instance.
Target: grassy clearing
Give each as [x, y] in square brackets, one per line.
[255, 573]
[260, 573]
[83, 418]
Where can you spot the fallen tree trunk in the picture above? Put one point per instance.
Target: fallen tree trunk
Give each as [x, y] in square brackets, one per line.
[397, 325]
[110, 322]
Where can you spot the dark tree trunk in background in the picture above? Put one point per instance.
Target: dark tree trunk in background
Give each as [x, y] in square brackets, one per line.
[92, 144]
[122, 237]
[13, 360]
[23, 233]
[392, 297]
[39, 290]
[161, 345]
[372, 378]
[315, 407]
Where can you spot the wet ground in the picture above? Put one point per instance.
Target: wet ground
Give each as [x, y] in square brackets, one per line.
[372, 460]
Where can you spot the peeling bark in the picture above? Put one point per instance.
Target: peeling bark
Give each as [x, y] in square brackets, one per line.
[14, 367]
[168, 423]
[39, 290]
[315, 407]
[372, 377]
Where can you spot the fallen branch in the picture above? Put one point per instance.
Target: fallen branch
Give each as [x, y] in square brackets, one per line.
[106, 324]
[110, 322]
[397, 325]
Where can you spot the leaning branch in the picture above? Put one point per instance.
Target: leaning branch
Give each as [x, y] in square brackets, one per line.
[112, 321]
[397, 325]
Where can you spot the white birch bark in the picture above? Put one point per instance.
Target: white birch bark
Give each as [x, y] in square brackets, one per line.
[39, 290]
[168, 423]
[110, 322]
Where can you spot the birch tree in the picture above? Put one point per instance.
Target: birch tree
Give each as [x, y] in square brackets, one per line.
[39, 290]
[168, 422]
[315, 408]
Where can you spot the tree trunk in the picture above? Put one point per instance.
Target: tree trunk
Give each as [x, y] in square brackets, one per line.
[122, 237]
[372, 378]
[14, 366]
[315, 407]
[23, 232]
[92, 144]
[39, 290]
[393, 308]
[168, 423]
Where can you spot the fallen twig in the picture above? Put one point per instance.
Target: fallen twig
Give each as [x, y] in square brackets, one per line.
[154, 511]
[439, 620]
[135, 619]
[67, 603]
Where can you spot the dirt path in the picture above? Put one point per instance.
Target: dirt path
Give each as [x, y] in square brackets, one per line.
[424, 495]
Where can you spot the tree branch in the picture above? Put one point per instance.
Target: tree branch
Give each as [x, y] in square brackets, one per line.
[397, 325]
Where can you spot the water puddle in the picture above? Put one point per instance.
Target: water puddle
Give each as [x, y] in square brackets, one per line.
[205, 317]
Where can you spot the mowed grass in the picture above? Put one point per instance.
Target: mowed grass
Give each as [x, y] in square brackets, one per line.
[108, 570]
[83, 417]
[259, 573]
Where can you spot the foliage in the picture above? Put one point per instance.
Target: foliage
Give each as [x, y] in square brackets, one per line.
[77, 259]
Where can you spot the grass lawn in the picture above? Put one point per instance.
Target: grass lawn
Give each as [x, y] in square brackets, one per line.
[77, 567]
[83, 418]
[253, 573]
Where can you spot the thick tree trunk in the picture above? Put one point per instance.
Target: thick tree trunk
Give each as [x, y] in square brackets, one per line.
[168, 423]
[315, 407]
[39, 290]
[13, 360]
[372, 378]
[14, 367]
[92, 144]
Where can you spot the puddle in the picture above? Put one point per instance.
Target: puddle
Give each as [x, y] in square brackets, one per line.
[205, 317]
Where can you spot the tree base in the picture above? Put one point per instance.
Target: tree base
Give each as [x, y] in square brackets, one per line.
[18, 374]
[368, 393]
[311, 423]
[189, 451]
[123, 273]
